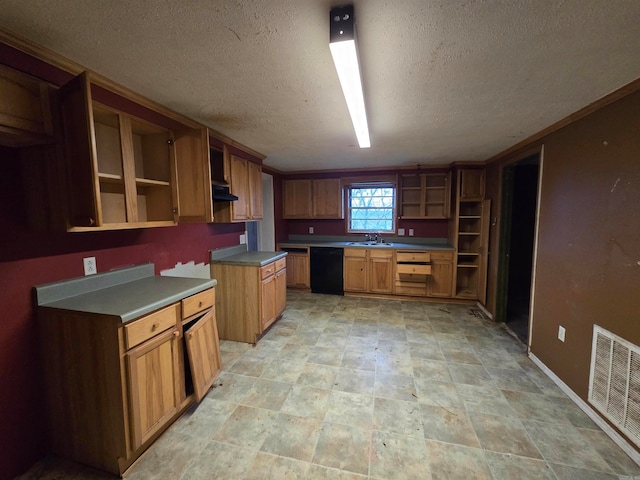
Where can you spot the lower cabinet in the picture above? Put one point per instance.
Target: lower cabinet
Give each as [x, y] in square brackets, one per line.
[250, 298]
[441, 281]
[297, 267]
[368, 270]
[112, 388]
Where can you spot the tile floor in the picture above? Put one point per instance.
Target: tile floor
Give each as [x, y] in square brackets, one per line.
[351, 388]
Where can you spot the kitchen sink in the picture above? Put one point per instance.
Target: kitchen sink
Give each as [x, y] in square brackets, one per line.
[370, 244]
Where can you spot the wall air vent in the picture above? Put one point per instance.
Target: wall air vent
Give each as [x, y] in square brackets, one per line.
[614, 381]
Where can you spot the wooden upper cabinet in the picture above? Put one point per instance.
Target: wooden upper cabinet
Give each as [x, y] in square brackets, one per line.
[255, 191]
[297, 199]
[327, 198]
[472, 185]
[121, 168]
[193, 175]
[318, 198]
[25, 110]
[240, 188]
[425, 196]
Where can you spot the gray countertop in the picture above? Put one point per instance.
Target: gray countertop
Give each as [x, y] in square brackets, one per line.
[251, 259]
[393, 245]
[117, 294]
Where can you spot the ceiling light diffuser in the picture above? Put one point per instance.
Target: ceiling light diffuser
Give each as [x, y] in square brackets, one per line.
[342, 43]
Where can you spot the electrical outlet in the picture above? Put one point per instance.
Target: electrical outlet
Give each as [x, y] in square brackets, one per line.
[90, 267]
[561, 332]
[401, 232]
[411, 232]
[243, 239]
[310, 229]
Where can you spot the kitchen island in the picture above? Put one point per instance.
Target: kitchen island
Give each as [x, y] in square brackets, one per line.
[252, 291]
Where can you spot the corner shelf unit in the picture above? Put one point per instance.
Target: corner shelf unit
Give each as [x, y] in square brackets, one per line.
[425, 196]
[471, 235]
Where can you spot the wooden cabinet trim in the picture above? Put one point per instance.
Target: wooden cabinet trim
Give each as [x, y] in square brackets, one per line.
[138, 331]
[198, 302]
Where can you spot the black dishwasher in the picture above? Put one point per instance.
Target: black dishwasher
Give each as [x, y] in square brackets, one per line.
[326, 270]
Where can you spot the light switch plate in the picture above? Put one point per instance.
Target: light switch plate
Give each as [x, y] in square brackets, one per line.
[243, 239]
[401, 232]
[310, 229]
[561, 333]
[90, 267]
[411, 232]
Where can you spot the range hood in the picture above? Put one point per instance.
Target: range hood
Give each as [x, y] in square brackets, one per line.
[221, 194]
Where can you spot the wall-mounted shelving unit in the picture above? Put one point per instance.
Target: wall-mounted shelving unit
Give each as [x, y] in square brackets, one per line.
[425, 196]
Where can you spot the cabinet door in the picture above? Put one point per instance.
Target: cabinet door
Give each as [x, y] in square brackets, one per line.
[240, 188]
[298, 270]
[297, 199]
[255, 191]
[472, 184]
[267, 302]
[193, 175]
[281, 291]
[380, 275]
[204, 353]
[441, 280]
[328, 198]
[80, 148]
[151, 383]
[355, 274]
[25, 112]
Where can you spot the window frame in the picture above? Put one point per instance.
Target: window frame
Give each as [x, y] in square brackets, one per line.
[373, 184]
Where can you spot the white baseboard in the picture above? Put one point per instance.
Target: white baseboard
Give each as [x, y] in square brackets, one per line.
[584, 406]
[484, 310]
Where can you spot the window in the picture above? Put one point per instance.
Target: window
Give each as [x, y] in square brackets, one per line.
[372, 208]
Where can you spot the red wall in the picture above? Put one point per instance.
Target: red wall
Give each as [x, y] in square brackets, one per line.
[28, 259]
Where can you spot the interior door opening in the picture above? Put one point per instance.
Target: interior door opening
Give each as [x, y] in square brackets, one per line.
[519, 206]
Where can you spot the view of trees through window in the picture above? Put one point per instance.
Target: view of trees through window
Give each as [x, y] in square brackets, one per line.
[371, 208]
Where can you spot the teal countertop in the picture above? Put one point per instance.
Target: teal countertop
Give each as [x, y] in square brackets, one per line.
[127, 293]
[251, 259]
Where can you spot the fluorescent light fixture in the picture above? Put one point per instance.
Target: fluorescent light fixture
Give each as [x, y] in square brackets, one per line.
[342, 43]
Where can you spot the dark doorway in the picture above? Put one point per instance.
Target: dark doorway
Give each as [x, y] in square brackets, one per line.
[519, 203]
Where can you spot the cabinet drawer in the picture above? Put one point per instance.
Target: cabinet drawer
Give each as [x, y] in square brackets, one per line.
[442, 256]
[380, 253]
[413, 269]
[267, 270]
[143, 329]
[198, 302]
[411, 289]
[281, 263]
[355, 252]
[413, 257]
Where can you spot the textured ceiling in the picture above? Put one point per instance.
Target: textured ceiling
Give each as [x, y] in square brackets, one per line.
[444, 80]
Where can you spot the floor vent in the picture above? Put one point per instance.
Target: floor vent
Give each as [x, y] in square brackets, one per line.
[477, 313]
[614, 381]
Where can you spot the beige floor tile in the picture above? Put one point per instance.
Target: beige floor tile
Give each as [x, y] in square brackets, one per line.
[394, 364]
[267, 394]
[455, 462]
[321, 376]
[267, 467]
[359, 358]
[221, 461]
[246, 427]
[398, 387]
[354, 381]
[565, 472]
[469, 374]
[343, 447]
[397, 416]
[249, 366]
[316, 472]
[511, 379]
[399, 457]
[447, 424]
[442, 394]
[347, 408]
[204, 419]
[292, 436]
[505, 466]
[284, 370]
[503, 434]
[426, 351]
[307, 402]
[535, 406]
[564, 444]
[615, 457]
[431, 370]
[231, 388]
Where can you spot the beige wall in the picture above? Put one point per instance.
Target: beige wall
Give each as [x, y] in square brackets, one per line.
[588, 261]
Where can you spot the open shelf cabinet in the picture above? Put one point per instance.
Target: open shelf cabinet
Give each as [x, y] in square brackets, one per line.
[121, 168]
[471, 235]
[425, 196]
